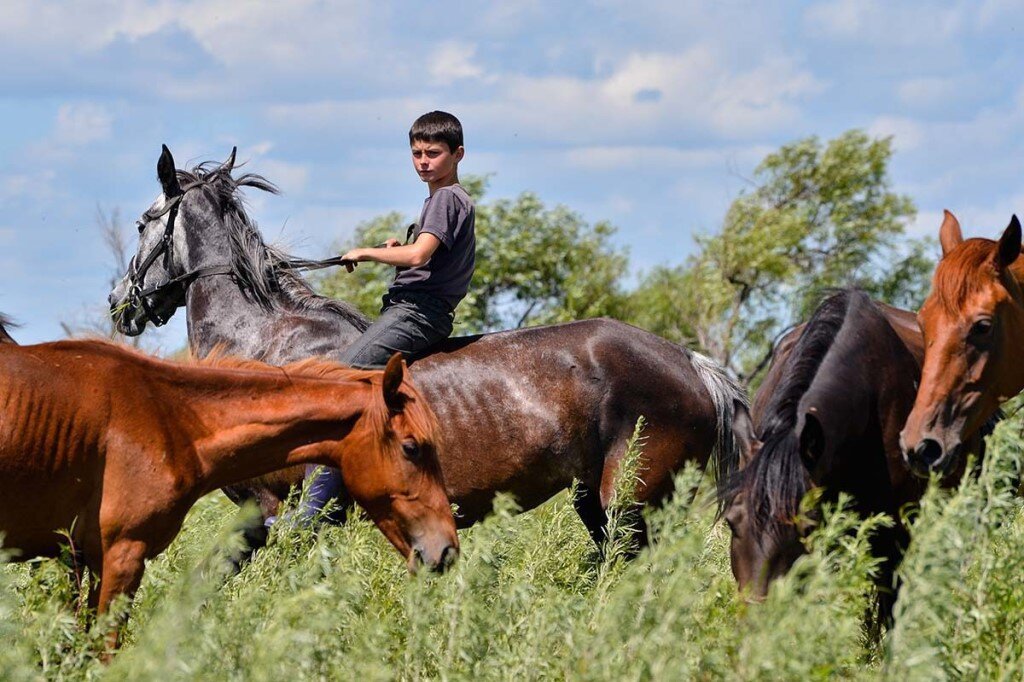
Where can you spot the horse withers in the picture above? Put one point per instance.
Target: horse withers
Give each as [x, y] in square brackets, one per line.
[828, 415]
[113, 447]
[552, 404]
[973, 325]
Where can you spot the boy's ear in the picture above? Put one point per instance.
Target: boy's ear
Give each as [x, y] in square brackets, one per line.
[459, 153]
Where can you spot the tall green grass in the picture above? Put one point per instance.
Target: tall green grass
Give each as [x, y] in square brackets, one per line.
[532, 598]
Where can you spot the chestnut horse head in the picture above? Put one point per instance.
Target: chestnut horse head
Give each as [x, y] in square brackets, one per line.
[390, 467]
[973, 324]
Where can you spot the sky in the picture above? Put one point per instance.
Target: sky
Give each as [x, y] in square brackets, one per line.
[650, 115]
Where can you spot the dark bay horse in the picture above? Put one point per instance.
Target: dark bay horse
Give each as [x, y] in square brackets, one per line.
[973, 325]
[525, 412]
[828, 415]
[115, 447]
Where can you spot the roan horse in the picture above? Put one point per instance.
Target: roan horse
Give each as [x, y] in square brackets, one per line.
[973, 325]
[114, 448]
[550, 404]
[828, 415]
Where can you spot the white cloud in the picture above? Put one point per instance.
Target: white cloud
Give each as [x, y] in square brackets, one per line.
[454, 61]
[80, 124]
[663, 159]
[927, 93]
[906, 133]
[879, 22]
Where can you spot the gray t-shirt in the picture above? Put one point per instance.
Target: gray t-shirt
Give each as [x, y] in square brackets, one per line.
[448, 214]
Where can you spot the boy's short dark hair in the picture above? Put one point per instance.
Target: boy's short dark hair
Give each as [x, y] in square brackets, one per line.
[437, 126]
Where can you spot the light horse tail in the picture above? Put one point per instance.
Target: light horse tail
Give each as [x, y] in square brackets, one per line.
[5, 323]
[731, 404]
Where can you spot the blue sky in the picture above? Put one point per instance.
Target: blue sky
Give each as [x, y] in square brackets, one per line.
[647, 114]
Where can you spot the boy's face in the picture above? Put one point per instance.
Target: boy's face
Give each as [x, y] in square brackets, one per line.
[434, 162]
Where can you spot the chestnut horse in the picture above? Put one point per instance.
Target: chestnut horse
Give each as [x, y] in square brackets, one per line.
[973, 325]
[827, 415]
[115, 447]
[551, 404]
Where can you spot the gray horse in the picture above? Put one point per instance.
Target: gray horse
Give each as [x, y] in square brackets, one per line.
[524, 412]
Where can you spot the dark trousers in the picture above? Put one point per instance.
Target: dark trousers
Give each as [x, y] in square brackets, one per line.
[409, 323]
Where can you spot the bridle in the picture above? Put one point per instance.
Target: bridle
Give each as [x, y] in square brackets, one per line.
[137, 295]
[136, 273]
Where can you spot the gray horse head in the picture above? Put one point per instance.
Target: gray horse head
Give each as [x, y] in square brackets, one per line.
[196, 228]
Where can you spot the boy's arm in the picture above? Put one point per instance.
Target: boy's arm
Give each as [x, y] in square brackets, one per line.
[408, 256]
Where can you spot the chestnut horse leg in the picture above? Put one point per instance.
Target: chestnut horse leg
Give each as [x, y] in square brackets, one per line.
[123, 565]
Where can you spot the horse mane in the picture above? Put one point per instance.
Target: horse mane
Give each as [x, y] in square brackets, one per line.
[776, 480]
[260, 268]
[309, 368]
[6, 323]
[959, 274]
[420, 417]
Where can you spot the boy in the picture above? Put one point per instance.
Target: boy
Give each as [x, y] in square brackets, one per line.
[433, 271]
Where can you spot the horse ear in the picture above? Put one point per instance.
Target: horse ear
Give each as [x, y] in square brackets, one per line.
[167, 174]
[229, 165]
[812, 441]
[394, 372]
[743, 433]
[1009, 244]
[950, 235]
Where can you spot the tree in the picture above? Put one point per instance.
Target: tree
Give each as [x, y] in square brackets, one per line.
[534, 265]
[817, 216]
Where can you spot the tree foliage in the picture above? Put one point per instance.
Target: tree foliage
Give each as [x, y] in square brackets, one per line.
[534, 265]
[817, 216]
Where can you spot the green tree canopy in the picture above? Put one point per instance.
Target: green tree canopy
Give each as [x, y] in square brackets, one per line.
[534, 265]
[817, 216]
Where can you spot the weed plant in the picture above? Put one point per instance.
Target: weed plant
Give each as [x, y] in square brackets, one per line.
[532, 598]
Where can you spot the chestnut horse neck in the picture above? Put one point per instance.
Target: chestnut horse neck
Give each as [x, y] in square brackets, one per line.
[252, 418]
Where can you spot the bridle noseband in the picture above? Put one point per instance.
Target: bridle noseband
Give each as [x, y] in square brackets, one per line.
[136, 273]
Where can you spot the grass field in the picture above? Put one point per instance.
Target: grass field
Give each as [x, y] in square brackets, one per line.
[530, 599]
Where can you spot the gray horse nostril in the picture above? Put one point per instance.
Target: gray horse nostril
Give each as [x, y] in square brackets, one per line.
[928, 452]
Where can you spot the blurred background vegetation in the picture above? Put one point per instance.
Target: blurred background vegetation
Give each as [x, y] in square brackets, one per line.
[815, 215]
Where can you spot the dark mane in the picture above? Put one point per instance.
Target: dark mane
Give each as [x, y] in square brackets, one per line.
[257, 265]
[776, 480]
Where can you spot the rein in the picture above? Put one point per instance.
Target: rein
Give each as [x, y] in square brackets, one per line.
[137, 295]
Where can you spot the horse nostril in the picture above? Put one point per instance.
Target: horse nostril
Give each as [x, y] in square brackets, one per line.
[928, 452]
[448, 557]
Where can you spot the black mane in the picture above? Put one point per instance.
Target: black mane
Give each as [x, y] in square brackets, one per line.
[776, 479]
[257, 265]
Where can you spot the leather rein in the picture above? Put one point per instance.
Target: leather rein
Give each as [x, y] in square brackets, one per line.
[137, 295]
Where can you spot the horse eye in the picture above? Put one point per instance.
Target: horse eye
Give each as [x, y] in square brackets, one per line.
[141, 225]
[980, 330]
[411, 450]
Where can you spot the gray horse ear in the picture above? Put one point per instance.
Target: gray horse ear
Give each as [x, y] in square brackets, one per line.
[950, 235]
[167, 174]
[1009, 244]
[229, 165]
[394, 373]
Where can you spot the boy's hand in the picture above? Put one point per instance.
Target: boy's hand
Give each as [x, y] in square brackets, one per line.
[351, 258]
[390, 243]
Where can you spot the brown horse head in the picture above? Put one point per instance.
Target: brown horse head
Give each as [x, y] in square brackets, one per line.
[400, 486]
[973, 323]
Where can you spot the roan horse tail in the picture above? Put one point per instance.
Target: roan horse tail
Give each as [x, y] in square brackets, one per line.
[726, 394]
